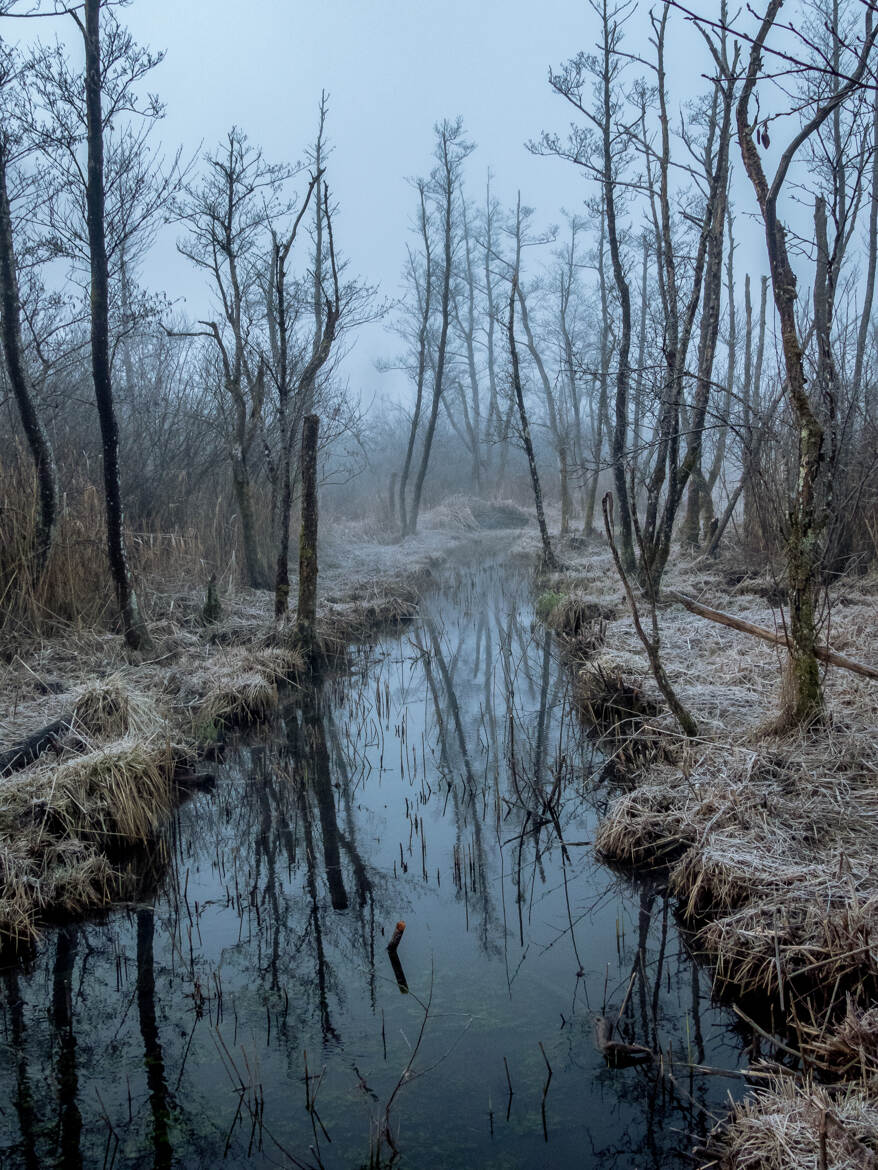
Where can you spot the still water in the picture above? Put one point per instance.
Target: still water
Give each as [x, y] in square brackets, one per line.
[247, 1012]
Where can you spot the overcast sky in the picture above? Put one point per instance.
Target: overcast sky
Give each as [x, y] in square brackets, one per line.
[392, 68]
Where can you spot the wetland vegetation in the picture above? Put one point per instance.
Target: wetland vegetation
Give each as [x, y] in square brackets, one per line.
[437, 703]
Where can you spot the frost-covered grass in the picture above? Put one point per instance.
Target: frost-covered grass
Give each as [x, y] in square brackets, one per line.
[108, 777]
[769, 842]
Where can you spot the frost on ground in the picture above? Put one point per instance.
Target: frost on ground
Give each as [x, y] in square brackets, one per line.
[768, 842]
[105, 777]
[362, 569]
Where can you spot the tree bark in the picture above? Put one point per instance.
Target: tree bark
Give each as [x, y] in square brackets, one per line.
[133, 625]
[13, 351]
[802, 698]
[257, 578]
[549, 561]
[306, 610]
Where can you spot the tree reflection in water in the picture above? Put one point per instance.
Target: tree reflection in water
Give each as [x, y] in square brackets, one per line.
[245, 1009]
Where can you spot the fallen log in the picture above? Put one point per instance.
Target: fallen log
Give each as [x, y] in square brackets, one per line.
[823, 653]
[32, 746]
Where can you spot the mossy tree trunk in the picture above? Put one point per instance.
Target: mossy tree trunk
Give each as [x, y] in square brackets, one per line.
[802, 698]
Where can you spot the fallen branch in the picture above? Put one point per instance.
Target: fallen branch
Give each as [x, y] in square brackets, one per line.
[29, 749]
[650, 645]
[726, 619]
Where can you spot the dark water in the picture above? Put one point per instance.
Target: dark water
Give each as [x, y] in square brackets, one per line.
[249, 1013]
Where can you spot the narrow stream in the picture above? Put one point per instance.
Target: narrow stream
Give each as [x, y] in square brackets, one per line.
[247, 1011]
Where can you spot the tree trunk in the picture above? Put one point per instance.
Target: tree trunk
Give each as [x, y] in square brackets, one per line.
[802, 698]
[555, 425]
[591, 498]
[719, 454]
[257, 578]
[869, 291]
[13, 351]
[752, 407]
[306, 610]
[549, 561]
[619, 437]
[135, 631]
[448, 189]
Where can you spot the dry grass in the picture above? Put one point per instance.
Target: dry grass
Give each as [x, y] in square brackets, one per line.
[102, 711]
[237, 696]
[772, 861]
[471, 514]
[62, 822]
[373, 609]
[613, 700]
[74, 590]
[770, 844]
[806, 1127]
[59, 826]
[578, 621]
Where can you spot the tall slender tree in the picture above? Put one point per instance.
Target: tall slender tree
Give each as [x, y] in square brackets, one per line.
[451, 151]
[802, 699]
[11, 144]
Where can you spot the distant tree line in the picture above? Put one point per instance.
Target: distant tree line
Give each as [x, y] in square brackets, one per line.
[624, 349]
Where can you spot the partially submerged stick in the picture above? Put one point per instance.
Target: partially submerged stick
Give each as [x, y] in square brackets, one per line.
[396, 938]
[617, 1053]
[398, 972]
[735, 623]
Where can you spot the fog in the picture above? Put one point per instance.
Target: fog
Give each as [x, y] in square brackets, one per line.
[438, 593]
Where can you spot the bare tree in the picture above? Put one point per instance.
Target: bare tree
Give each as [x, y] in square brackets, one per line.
[227, 213]
[281, 318]
[303, 390]
[106, 208]
[601, 150]
[420, 272]
[550, 561]
[12, 143]
[803, 699]
[452, 150]
[136, 61]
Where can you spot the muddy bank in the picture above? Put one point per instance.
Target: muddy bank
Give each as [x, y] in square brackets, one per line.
[767, 843]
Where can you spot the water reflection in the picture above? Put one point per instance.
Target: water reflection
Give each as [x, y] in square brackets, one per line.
[249, 1012]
